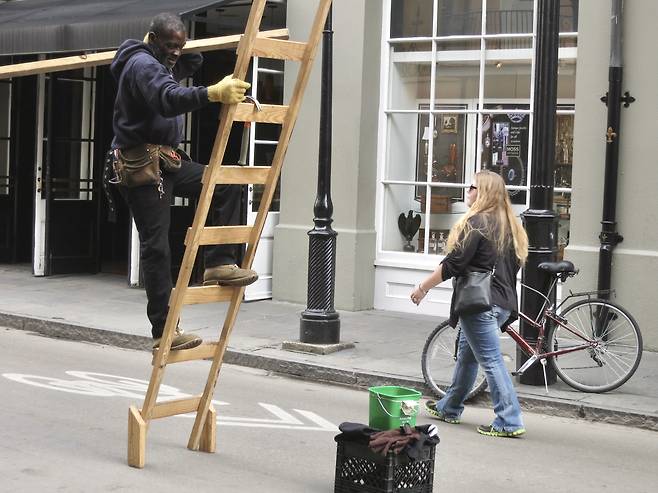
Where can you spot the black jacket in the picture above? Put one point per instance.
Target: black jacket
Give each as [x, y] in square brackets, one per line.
[150, 103]
[478, 253]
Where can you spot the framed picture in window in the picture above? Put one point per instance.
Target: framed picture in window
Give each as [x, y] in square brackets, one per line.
[449, 124]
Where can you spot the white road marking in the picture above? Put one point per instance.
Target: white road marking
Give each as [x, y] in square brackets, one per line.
[106, 385]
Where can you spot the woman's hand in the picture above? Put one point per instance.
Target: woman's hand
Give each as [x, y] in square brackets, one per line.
[417, 295]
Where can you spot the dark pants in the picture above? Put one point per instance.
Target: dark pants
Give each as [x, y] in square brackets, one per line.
[152, 217]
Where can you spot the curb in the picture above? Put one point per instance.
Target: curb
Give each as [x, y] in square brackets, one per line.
[324, 373]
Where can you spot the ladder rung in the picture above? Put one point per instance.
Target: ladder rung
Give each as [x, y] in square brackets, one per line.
[222, 235]
[269, 113]
[281, 50]
[206, 294]
[204, 351]
[174, 407]
[242, 175]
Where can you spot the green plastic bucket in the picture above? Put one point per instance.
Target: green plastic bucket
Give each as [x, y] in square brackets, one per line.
[392, 407]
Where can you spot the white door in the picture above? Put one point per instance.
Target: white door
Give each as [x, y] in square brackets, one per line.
[267, 88]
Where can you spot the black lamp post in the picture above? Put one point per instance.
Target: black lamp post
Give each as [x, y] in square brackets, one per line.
[320, 323]
[540, 220]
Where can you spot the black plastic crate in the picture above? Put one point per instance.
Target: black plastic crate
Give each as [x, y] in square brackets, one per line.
[359, 470]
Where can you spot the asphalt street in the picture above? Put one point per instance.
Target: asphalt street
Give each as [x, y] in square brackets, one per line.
[64, 429]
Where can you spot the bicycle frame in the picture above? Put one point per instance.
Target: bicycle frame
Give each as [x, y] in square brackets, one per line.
[547, 313]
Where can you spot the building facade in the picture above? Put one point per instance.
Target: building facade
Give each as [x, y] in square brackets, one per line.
[427, 92]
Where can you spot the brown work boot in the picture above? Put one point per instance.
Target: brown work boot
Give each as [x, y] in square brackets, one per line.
[180, 341]
[229, 275]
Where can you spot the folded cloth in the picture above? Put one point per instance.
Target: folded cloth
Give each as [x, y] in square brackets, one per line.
[405, 439]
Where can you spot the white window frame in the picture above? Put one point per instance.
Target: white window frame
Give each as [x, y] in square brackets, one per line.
[427, 261]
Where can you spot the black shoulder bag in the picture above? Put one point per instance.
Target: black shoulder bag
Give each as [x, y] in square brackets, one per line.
[473, 292]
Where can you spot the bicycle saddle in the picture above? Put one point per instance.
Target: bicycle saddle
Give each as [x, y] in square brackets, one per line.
[558, 267]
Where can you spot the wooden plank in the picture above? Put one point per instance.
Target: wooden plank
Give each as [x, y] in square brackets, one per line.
[174, 407]
[204, 351]
[269, 113]
[242, 175]
[279, 49]
[136, 438]
[204, 294]
[223, 235]
[106, 57]
[208, 441]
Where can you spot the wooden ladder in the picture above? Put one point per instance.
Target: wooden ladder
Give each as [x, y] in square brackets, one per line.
[204, 430]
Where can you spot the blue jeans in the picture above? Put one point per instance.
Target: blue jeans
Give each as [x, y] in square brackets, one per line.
[479, 344]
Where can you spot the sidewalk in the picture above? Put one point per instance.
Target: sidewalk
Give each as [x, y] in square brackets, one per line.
[388, 345]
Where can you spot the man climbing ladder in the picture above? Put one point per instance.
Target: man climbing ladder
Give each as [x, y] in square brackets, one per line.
[148, 124]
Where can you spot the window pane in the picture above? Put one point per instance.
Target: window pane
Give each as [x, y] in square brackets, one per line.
[562, 207]
[401, 233]
[270, 86]
[569, 16]
[410, 82]
[507, 79]
[405, 153]
[5, 104]
[5, 119]
[459, 17]
[509, 16]
[566, 79]
[4, 167]
[411, 18]
[449, 147]
[267, 131]
[563, 150]
[505, 148]
[446, 207]
[457, 80]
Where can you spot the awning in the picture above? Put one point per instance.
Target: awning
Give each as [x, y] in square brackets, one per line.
[52, 26]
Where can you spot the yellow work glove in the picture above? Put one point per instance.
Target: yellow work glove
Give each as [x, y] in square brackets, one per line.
[228, 91]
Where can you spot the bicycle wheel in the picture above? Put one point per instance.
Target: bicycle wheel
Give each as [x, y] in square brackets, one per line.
[614, 346]
[439, 358]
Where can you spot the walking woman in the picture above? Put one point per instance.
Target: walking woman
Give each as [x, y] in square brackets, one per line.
[488, 235]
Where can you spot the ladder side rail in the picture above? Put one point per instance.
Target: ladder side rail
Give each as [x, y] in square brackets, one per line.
[288, 127]
[242, 64]
[268, 193]
[176, 301]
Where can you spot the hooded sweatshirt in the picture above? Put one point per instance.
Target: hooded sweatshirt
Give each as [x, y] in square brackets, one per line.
[150, 103]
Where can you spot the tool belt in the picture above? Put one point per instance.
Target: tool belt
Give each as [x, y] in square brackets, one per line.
[143, 165]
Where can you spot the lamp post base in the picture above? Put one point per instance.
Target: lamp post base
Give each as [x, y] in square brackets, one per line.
[319, 327]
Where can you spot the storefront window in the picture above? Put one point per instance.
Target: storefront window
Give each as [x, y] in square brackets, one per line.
[461, 105]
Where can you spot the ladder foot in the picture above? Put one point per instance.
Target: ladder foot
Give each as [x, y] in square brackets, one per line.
[136, 438]
[208, 441]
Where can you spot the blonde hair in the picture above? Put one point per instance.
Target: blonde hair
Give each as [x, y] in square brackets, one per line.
[495, 208]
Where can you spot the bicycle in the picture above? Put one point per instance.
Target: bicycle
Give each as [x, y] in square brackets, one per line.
[596, 345]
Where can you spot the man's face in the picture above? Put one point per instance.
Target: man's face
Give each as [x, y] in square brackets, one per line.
[168, 46]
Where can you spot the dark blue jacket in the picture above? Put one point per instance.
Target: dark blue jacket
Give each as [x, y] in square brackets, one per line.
[150, 104]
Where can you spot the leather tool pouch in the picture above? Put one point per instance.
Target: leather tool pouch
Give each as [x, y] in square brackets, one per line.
[144, 164]
[137, 166]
